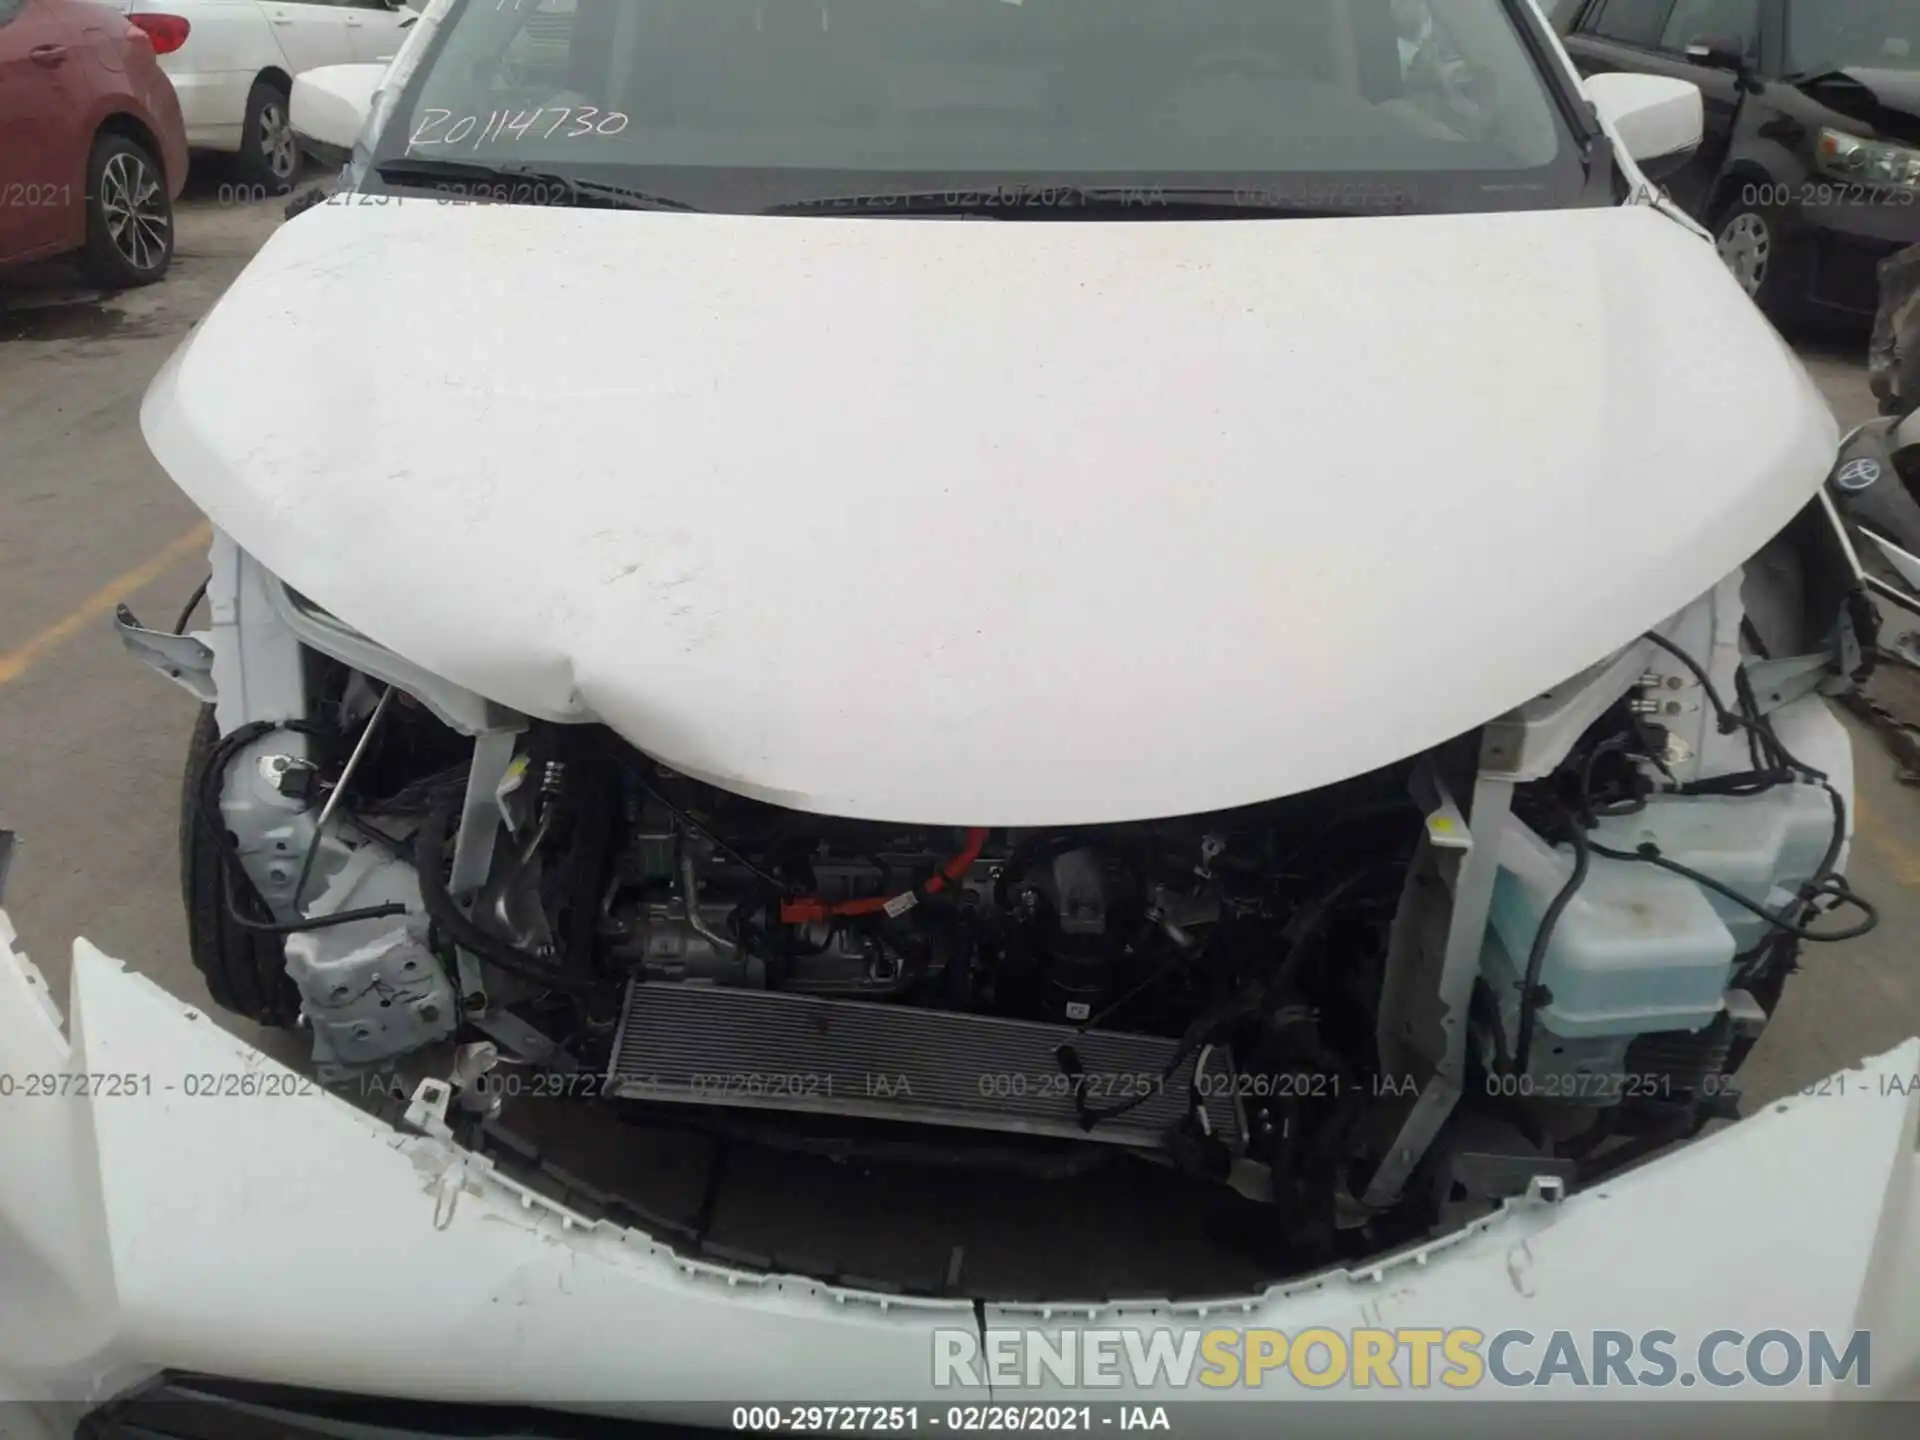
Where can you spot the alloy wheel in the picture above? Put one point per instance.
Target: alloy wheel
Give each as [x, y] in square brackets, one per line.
[135, 208]
[276, 140]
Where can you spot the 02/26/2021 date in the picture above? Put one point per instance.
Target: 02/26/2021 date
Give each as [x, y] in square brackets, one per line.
[119, 1084]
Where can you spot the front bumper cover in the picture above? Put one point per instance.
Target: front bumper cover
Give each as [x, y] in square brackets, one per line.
[275, 1233]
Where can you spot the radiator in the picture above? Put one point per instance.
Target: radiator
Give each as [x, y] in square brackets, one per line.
[717, 1045]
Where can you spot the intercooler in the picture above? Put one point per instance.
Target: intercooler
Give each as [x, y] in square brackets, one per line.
[717, 1045]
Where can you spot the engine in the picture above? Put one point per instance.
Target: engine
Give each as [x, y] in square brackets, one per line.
[1129, 926]
[1197, 986]
[1054, 926]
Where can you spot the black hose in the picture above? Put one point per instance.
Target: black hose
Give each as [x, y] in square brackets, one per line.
[429, 856]
[1730, 720]
[1537, 954]
[302, 926]
[1830, 886]
[1774, 765]
[1611, 746]
[1782, 766]
[193, 603]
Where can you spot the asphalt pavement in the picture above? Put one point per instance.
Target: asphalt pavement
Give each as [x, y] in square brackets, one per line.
[92, 742]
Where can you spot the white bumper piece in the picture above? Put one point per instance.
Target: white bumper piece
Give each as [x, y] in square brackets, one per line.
[289, 1237]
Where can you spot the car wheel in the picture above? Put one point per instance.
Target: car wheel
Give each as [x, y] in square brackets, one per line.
[1756, 249]
[246, 972]
[129, 215]
[269, 155]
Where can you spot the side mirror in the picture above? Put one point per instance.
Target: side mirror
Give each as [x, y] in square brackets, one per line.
[1719, 52]
[330, 107]
[1660, 121]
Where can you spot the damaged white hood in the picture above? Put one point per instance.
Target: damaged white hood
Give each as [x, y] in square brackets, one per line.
[994, 523]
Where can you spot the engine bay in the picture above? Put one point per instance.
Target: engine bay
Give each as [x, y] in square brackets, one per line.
[1307, 1029]
[1191, 988]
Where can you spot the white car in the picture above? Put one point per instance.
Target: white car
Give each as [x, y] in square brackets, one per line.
[233, 64]
[1087, 663]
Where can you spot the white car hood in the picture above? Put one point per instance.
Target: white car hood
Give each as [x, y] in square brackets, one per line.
[994, 524]
[294, 1239]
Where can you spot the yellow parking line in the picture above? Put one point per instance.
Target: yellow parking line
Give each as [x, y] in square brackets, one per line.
[1872, 826]
[16, 662]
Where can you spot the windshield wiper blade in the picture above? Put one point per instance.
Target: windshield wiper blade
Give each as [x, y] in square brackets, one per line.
[1823, 77]
[1333, 201]
[1034, 201]
[478, 180]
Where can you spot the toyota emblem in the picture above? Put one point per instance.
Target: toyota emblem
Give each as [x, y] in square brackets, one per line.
[1858, 474]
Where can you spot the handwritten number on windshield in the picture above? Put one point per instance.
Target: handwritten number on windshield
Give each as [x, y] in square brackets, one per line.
[571, 122]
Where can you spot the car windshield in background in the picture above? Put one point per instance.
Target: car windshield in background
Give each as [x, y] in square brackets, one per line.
[1828, 35]
[753, 104]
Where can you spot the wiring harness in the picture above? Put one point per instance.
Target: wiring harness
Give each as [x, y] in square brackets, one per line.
[1773, 765]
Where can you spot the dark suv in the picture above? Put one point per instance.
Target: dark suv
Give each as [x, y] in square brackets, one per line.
[1809, 175]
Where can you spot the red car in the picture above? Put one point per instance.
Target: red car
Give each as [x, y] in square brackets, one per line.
[92, 147]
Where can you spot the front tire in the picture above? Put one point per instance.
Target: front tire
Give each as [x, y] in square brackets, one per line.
[1768, 262]
[269, 155]
[245, 972]
[129, 216]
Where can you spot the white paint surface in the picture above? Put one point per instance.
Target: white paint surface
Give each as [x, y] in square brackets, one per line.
[994, 523]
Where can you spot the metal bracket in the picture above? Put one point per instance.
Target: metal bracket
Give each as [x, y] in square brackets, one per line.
[1904, 562]
[1528, 742]
[524, 1042]
[427, 1110]
[1778, 683]
[1546, 1189]
[1873, 583]
[473, 849]
[471, 1066]
[186, 660]
[1446, 826]
[1479, 865]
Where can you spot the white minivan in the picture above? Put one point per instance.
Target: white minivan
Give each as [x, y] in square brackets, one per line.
[1110, 666]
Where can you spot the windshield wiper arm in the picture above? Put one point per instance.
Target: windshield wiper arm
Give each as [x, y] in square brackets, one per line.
[1033, 201]
[479, 180]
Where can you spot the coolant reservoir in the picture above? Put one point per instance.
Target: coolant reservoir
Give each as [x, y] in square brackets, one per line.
[1764, 847]
[1638, 949]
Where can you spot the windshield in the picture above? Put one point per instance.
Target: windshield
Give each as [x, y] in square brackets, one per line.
[1826, 35]
[748, 104]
